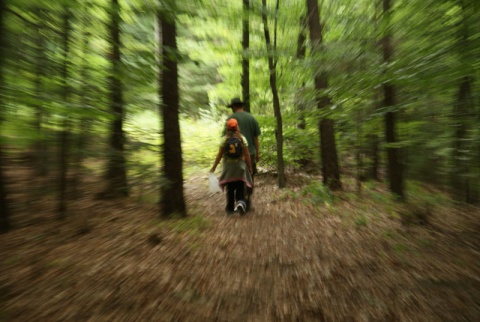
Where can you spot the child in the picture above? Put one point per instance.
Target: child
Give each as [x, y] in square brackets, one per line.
[237, 167]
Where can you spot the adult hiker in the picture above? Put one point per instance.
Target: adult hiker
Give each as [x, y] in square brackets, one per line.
[250, 129]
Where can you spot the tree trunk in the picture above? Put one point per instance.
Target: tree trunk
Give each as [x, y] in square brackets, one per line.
[330, 168]
[172, 200]
[301, 51]
[395, 168]
[64, 134]
[300, 105]
[4, 207]
[276, 101]
[375, 157]
[245, 56]
[84, 123]
[460, 182]
[116, 172]
[463, 107]
[40, 147]
[328, 149]
[359, 164]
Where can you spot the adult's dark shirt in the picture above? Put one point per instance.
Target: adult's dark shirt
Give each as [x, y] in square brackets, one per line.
[248, 127]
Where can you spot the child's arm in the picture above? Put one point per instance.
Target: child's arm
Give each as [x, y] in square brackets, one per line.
[217, 159]
[246, 155]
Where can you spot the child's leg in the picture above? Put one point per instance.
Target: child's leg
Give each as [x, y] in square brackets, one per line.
[241, 206]
[240, 191]
[248, 196]
[230, 196]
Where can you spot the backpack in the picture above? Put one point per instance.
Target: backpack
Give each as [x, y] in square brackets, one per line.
[233, 148]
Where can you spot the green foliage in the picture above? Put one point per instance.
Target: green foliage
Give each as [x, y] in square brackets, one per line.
[315, 194]
[436, 44]
[390, 235]
[361, 221]
[425, 243]
[422, 194]
[376, 194]
[192, 225]
[298, 144]
[200, 143]
[318, 193]
[415, 215]
[268, 142]
[401, 248]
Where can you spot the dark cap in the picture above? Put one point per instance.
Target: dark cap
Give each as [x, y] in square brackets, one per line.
[235, 102]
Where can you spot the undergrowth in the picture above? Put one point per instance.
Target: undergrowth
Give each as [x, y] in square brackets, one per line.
[192, 225]
[373, 201]
[314, 193]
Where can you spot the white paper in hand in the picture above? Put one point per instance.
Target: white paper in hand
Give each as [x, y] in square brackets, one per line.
[213, 183]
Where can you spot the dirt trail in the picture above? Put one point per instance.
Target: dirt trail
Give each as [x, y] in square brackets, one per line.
[285, 261]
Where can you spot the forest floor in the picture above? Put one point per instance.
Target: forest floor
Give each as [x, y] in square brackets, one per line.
[295, 257]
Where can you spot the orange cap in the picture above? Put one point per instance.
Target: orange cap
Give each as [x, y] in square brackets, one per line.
[232, 124]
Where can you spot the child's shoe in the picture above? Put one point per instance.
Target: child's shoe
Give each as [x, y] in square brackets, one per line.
[241, 207]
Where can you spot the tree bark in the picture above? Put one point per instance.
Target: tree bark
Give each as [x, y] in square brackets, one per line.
[245, 57]
[301, 52]
[64, 134]
[463, 107]
[85, 121]
[328, 149]
[116, 172]
[40, 147]
[460, 182]
[300, 106]
[4, 206]
[172, 200]
[375, 157]
[276, 100]
[395, 168]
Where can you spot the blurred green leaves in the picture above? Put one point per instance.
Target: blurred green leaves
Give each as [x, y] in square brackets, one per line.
[437, 43]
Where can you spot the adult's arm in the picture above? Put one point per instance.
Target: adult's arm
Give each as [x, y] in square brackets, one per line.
[246, 156]
[257, 148]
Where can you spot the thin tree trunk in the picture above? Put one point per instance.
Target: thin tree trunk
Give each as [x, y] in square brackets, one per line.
[375, 156]
[172, 200]
[40, 147]
[4, 207]
[245, 56]
[301, 52]
[463, 107]
[272, 64]
[64, 134]
[328, 149]
[84, 123]
[116, 172]
[358, 151]
[300, 105]
[395, 168]
[460, 180]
